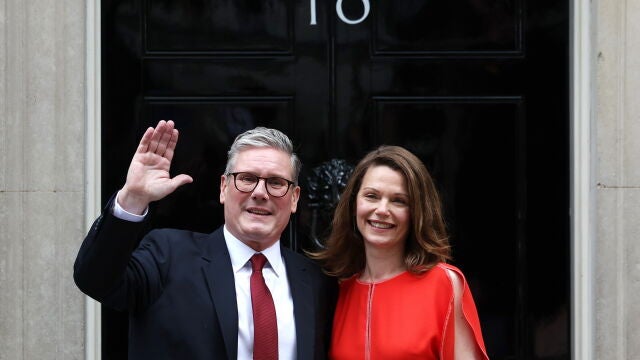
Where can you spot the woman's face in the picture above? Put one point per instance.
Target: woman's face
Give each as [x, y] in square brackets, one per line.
[382, 208]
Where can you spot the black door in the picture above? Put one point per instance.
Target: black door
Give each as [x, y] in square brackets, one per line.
[478, 89]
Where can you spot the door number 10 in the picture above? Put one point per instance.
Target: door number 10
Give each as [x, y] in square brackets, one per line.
[340, 13]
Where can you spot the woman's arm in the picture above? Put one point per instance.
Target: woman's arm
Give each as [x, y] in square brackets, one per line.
[465, 344]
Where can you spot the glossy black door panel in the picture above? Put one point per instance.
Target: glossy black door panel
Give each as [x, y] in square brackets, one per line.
[232, 26]
[456, 27]
[227, 76]
[477, 89]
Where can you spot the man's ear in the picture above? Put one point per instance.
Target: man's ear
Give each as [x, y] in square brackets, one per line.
[223, 188]
[294, 199]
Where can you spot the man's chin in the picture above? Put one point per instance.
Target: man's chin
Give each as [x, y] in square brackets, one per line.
[257, 233]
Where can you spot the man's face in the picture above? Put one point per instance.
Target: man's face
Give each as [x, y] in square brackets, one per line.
[257, 218]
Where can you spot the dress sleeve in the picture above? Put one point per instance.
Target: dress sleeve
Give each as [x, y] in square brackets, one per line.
[470, 314]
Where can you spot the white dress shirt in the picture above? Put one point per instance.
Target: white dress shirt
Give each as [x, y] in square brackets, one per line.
[275, 275]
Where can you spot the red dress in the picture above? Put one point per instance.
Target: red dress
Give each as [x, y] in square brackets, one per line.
[405, 317]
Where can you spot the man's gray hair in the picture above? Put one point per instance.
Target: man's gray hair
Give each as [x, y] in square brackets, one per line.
[263, 137]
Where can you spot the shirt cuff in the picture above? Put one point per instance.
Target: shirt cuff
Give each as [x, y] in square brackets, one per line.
[123, 214]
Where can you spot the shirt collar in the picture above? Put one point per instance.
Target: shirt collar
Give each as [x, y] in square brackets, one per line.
[240, 254]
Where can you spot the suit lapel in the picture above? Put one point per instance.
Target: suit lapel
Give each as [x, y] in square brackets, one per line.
[218, 274]
[303, 304]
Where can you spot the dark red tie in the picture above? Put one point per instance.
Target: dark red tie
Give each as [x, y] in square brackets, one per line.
[265, 327]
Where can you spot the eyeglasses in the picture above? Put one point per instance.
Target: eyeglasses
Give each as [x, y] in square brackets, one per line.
[247, 182]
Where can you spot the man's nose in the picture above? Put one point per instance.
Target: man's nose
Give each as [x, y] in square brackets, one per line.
[261, 190]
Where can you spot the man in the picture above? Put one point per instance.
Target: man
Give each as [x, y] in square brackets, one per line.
[189, 294]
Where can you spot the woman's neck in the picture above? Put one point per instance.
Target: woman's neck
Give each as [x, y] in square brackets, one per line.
[382, 265]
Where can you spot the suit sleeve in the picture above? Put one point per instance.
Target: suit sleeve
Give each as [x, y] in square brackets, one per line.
[106, 269]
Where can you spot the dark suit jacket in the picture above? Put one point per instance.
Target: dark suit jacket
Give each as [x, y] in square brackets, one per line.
[179, 289]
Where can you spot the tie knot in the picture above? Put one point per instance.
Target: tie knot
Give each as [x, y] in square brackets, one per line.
[257, 262]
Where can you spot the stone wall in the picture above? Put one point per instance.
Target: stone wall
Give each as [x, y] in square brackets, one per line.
[616, 112]
[42, 158]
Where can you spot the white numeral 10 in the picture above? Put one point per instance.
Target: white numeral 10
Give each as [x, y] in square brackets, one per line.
[340, 13]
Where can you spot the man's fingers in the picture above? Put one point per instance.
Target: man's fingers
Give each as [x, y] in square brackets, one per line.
[164, 142]
[144, 142]
[157, 135]
[161, 140]
[171, 145]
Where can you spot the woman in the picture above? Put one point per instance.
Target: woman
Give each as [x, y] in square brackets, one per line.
[398, 297]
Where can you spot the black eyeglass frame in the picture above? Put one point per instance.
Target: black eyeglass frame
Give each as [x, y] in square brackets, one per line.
[266, 182]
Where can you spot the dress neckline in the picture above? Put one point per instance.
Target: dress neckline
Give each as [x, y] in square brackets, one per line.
[367, 283]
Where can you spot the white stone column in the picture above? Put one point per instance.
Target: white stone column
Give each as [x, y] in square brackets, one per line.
[42, 112]
[617, 161]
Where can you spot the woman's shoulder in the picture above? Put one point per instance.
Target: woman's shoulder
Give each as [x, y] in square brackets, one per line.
[443, 275]
[443, 270]
[447, 266]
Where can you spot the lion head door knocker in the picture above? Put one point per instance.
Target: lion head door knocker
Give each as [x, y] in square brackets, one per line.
[326, 183]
